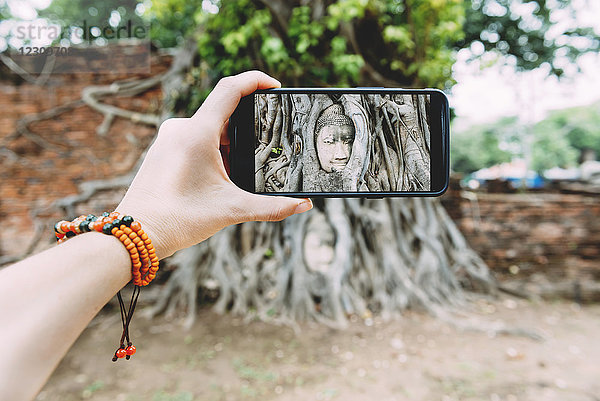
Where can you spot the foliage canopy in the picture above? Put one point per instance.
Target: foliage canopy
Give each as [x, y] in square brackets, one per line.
[408, 43]
[557, 141]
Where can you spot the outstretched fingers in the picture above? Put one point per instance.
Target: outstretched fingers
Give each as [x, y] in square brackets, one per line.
[272, 208]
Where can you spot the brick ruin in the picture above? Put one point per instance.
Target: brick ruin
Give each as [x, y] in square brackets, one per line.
[48, 159]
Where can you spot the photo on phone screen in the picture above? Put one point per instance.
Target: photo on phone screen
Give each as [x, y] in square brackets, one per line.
[361, 142]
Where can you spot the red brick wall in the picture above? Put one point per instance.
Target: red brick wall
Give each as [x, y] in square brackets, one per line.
[33, 175]
[557, 234]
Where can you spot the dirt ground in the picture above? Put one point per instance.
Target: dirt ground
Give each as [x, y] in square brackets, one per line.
[415, 358]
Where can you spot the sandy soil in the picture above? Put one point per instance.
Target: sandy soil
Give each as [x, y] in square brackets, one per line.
[416, 358]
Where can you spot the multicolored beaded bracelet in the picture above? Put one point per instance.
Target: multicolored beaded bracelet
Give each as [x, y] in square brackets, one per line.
[144, 262]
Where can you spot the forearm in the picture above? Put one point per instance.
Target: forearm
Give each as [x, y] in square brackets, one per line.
[46, 302]
[181, 195]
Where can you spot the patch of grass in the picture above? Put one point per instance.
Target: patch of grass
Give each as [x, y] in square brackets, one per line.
[164, 396]
[92, 388]
[198, 359]
[168, 367]
[489, 374]
[458, 387]
[256, 382]
[328, 394]
[248, 391]
[249, 372]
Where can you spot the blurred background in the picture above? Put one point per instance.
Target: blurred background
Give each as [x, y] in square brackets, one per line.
[84, 86]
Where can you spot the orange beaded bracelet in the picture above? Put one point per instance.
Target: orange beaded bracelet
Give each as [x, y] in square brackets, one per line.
[144, 262]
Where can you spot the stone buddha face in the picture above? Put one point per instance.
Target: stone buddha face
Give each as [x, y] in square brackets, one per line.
[319, 243]
[334, 138]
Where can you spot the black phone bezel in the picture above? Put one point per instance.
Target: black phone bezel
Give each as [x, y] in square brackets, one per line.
[241, 135]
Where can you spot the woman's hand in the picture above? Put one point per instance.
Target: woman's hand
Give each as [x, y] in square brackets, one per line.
[182, 194]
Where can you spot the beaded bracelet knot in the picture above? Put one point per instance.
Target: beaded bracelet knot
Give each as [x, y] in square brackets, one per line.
[144, 262]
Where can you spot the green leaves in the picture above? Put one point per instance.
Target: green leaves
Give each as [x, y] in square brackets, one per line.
[345, 11]
[550, 148]
[347, 65]
[274, 51]
[255, 27]
[560, 138]
[479, 146]
[556, 141]
[409, 41]
[527, 31]
[401, 36]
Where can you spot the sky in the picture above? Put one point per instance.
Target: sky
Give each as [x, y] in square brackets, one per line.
[483, 95]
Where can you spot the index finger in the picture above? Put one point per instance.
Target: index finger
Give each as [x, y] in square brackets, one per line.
[222, 101]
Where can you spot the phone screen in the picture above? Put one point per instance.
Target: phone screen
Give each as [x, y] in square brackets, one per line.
[343, 142]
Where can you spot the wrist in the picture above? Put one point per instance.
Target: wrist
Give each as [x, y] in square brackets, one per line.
[152, 228]
[93, 241]
[129, 231]
[135, 242]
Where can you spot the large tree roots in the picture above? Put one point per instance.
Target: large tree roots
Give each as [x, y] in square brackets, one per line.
[346, 257]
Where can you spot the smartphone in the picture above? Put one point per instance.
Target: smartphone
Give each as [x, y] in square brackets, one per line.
[355, 142]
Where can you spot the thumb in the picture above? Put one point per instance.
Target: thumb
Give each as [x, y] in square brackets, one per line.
[273, 208]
